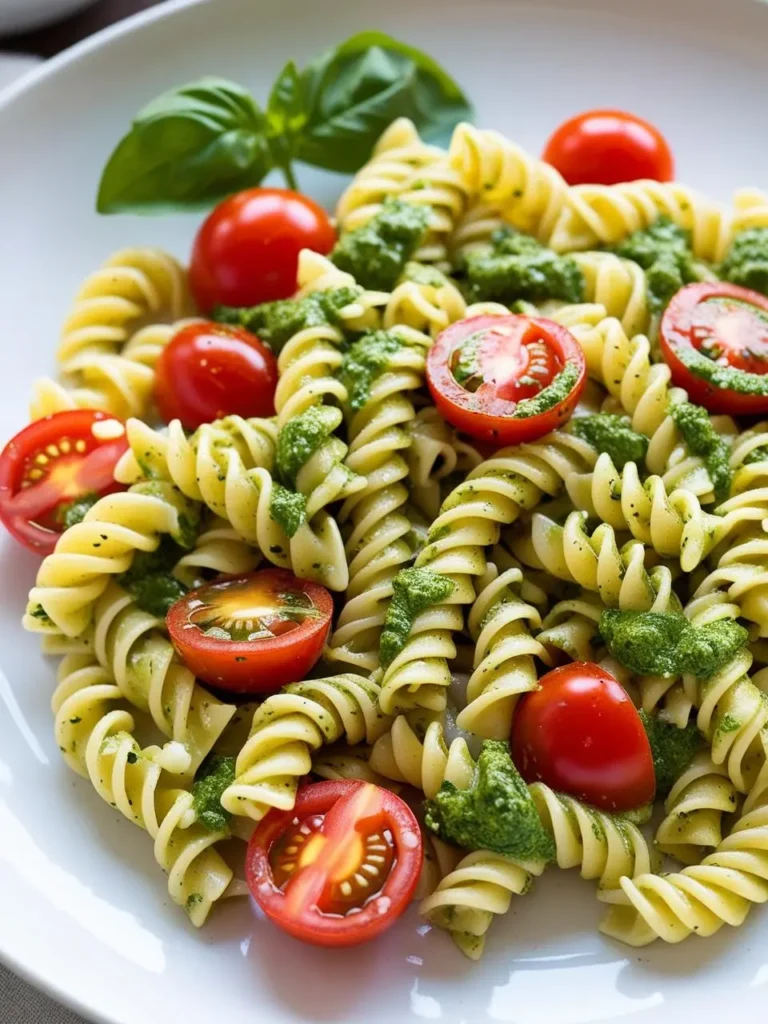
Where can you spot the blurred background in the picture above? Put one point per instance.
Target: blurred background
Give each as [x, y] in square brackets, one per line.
[45, 27]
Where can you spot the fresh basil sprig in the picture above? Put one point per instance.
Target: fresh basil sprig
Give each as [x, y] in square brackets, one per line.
[200, 142]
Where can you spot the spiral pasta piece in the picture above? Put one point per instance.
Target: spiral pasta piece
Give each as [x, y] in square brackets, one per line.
[529, 193]
[474, 230]
[602, 215]
[434, 455]
[620, 286]
[423, 760]
[288, 727]
[500, 624]
[89, 554]
[673, 524]
[694, 811]
[95, 736]
[219, 551]
[750, 209]
[426, 301]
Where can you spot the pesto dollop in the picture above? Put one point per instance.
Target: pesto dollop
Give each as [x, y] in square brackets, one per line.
[377, 253]
[496, 813]
[550, 396]
[759, 454]
[672, 748]
[300, 438]
[215, 775]
[520, 267]
[663, 250]
[364, 361]
[614, 435]
[702, 439]
[724, 378]
[747, 261]
[413, 591]
[288, 508]
[422, 273]
[73, 512]
[149, 580]
[275, 323]
[666, 644]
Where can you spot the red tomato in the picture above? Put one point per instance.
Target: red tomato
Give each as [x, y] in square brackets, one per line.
[581, 734]
[479, 369]
[341, 867]
[210, 370]
[247, 250]
[728, 325]
[605, 147]
[252, 633]
[52, 463]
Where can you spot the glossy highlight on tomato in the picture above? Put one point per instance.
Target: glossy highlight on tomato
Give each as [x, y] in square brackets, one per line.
[338, 869]
[252, 633]
[726, 324]
[481, 368]
[209, 370]
[53, 462]
[581, 734]
[607, 147]
[247, 250]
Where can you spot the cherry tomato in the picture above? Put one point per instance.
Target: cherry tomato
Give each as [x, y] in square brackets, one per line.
[340, 868]
[210, 370]
[605, 147]
[52, 463]
[247, 250]
[727, 325]
[581, 734]
[481, 368]
[252, 633]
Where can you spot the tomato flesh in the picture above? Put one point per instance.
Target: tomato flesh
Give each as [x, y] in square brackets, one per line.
[252, 633]
[607, 147]
[55, 461]
[581, 734]
[726, 324]
[338, 869]
[247, 250]
[481, 368]
[210, 370]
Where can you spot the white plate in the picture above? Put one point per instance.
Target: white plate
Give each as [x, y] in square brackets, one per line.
[83, 908]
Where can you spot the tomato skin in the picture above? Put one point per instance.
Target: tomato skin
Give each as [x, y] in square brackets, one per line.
[297, 914]
[210, 370]
[88, 472]
[607, 147]
[248, 666]
[678, 331]
[487, 417]
[581, 734]
[247, 250]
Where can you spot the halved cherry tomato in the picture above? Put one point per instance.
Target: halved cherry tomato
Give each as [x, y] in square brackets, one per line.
[481, 368]
[210, 370]
[50, 464]
[341, 867]
[727, 325]
[581, 734]
[605, 147]
[252, 633]
[247, 250]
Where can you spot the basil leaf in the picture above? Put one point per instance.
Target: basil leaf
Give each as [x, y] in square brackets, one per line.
[355, 92]
[189, 147]
[286, 109]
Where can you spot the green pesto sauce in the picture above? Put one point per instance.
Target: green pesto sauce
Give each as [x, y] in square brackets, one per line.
[552, 395]
[288, 508]
[377, 253]
[300, 438]
[275, 323]
[364, 361]
[666, 644]
[702, 439]
[466, 362]
[38, 612]
[663, 251]
[422, 273]
[614, 435]
[724, 378]
[673, 749]
[215, 775]
[496, 813]
[413, 591]
[759, 454]
[149, 580]
[73, 512]
[747, 261]
[520, 267]
[188, 511]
